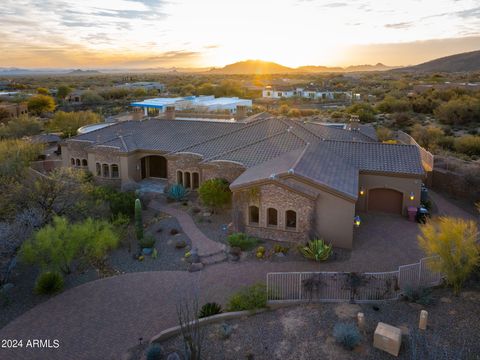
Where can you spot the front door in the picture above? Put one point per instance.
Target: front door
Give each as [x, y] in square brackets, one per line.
[143, 168]
[157, 166]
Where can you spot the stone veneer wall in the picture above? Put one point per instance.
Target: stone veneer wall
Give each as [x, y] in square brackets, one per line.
[183, 162]
[273, 196]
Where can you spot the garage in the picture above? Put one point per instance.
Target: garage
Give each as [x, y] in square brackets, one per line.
[385, 201]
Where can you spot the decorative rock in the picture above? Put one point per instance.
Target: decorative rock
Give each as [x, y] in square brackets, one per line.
[207, 214]
[225, 330]
[180, 244]
[280, 254]
[233, 257]
[235, 251]
[387, 338]
[174, 356]
[194, 258]
[195, 267]
[422, 324]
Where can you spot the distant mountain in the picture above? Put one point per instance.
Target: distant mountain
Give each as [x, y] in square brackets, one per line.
[469, 61]
[264, 67]
[13, 71]
[253, 67]
[83, 72]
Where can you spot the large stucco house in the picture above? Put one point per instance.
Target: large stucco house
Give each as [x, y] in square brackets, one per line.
[290, 180]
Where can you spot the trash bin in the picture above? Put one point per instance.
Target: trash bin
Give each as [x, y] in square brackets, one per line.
[412, 212]
[424, 195]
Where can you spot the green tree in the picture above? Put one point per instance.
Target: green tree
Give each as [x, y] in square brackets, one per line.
[459, 111]
[215, 193]
[56, 246]
[69, 122]
[365, 111]
[206, 89]
[427, 136]
[92, 98]
[63, 91]
[43, 91]
[392, 105]
[39, 104]
[16, 155]
[20, 127]
[454, 244]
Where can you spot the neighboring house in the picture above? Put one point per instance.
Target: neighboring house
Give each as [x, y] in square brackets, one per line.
[15, 110]
[75, 97]
[290, 180]
[421, 88]
[307, 93]
[144, 85]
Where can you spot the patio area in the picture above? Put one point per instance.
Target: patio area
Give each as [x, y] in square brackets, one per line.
[152, 185]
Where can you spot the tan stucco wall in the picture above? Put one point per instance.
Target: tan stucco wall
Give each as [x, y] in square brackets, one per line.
[334, 219]
[405, 185]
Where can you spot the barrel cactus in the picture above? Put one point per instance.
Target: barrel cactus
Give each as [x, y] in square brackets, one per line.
[177, 192]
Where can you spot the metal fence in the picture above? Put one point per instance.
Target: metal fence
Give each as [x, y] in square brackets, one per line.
[287, 287]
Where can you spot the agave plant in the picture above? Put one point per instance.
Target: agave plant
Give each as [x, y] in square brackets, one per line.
[177, 192]
[210, 309]
[316, 249]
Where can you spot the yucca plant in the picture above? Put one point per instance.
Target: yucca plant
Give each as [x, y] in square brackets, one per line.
[210, 309]
[316, 249]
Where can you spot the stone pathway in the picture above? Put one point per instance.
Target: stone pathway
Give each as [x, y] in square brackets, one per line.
[205, 246]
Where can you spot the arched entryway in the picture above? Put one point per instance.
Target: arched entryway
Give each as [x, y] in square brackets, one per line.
[154, 166]
[385, 200]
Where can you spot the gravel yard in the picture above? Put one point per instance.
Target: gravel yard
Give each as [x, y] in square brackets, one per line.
[21, 297]
[305, 332]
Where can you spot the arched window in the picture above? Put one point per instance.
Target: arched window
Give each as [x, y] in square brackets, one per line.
[72, 161]
[291, 219]
[106, 170]
[114, 170]
[98, 169]
[272, 217]
[84, 162]
[179, 177]
[253, 215]
[187, 179]
[77, 162]
[195, 180]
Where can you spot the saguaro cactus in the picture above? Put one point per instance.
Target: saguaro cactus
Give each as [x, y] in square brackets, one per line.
[138, 220]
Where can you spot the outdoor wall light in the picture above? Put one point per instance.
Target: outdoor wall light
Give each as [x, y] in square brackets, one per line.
[362, 191]
[138, 167]
[412, 196]
[357, 221]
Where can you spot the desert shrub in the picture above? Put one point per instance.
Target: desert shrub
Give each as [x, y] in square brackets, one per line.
[427, 136]
[242, 241]
[384, 133]
[347, 335]
[468, 145]
[154, 352]
[148, 241]
[177, 192]
[118, 201]
[249, 298]
[453, 243]
[316, 249]
[210, 309]
[215, 193]
[69, 122]
[419, 295]
[49, 282]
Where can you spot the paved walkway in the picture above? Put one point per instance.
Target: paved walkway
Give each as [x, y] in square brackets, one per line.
[102, 319]
[204, 245]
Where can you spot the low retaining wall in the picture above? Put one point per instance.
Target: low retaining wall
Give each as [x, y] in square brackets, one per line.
[176, 330]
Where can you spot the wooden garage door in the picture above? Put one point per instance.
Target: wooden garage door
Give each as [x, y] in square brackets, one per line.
[385, 200]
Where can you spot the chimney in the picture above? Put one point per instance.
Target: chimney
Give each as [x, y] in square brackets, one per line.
[354, 123]
[241, 112]
[170, 113]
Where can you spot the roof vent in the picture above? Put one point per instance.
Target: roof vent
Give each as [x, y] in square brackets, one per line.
[291, 171]
[273, 176]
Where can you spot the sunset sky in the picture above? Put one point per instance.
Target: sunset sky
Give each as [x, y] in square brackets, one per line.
[203, 33]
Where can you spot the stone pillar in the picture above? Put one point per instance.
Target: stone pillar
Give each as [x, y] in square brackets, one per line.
[361, 320]
[422, 324]
[145, 111]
